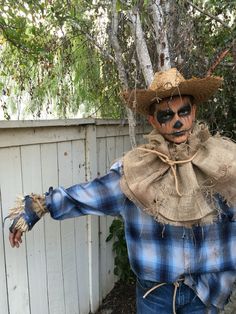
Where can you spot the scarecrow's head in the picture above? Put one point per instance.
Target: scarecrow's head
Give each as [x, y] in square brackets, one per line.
[173, 117]
[170, 102]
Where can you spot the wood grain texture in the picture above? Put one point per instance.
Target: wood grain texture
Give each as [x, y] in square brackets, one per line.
[62, 267]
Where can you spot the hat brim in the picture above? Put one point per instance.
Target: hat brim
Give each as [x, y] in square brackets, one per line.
[139, 100]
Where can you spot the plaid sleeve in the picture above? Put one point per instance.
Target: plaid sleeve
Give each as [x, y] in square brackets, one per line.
[101, 196]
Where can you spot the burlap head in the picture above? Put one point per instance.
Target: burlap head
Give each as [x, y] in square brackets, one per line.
[176, 184]
[171, 83]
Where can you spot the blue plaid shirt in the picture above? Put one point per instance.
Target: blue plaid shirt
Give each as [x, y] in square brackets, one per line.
[204, 255]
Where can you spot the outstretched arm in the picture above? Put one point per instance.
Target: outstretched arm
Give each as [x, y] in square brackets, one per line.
[101, 196]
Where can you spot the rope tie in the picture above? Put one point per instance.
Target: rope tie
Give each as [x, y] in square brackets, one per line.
[171, 163]
[176, 286]
[153, 288]
[40, 201]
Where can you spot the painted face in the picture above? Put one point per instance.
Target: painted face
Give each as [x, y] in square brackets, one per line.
[174, 118]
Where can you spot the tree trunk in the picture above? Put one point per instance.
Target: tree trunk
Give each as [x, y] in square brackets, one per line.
[141, 46]
[121, 69]
[161, 41]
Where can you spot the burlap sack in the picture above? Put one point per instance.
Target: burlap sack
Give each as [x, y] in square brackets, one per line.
[176, 184]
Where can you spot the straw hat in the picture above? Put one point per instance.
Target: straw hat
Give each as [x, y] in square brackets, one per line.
[171, 83]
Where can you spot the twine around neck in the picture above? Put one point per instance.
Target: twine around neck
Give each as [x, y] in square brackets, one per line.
[170, 162]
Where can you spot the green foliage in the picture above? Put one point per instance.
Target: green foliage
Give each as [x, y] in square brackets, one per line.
[220, 112]
[53, 53]
[122, 267]
[209, 38]
[47, 56]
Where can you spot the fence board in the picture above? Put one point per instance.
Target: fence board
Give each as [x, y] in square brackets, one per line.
[62, 267]
[3, 279]
[39, 135]
[81, 231]
[56, 300]
[16, 273]
[110, 280]
[35, 242]
[91, 172]
[117, 130]
[68, 233]
[119, 144]
[101, 157]
[126, 144]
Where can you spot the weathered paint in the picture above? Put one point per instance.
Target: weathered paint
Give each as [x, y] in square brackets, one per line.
[62, 267]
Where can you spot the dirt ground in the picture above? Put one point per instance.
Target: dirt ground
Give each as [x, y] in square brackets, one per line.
[121, 300]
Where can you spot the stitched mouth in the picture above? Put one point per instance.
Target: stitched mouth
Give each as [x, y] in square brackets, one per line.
[179, 133]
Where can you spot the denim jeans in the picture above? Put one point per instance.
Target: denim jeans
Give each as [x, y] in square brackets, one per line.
[160, 300]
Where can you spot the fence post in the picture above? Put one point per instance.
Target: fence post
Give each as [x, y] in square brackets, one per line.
[93, 229]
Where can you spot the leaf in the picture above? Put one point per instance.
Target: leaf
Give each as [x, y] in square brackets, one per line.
[109, 238]
[118, 6]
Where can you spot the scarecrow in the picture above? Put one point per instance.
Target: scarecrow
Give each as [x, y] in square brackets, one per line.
[175, 195]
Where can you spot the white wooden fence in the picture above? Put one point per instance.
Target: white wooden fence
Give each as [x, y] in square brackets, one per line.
[62, 267]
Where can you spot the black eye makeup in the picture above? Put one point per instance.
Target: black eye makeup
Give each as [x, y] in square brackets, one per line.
[185, 110]
[164, 116]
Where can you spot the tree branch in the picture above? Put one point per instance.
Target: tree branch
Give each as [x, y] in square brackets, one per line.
[121, 70]
[219, 58]
[161, 40]
[141, 46]
[208, 14]
[116, 47]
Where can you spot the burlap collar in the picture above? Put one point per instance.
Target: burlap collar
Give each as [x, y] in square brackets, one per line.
[176, 184]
